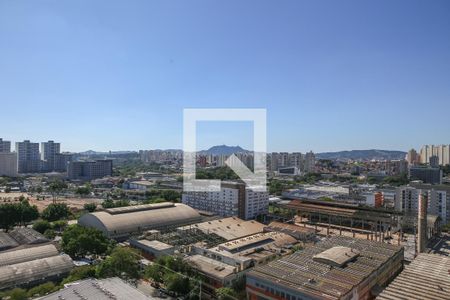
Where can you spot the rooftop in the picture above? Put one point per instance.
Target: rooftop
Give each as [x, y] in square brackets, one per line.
[317, 277]
[426, 278]
[210, 266]
[154, 244]
[104, 289]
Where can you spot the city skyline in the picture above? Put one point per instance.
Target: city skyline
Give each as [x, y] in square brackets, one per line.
[332, 77]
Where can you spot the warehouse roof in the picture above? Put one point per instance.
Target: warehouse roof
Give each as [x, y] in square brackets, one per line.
[211, 267]
[27, 254]
[228, 228]
[6, 241]
[300, 272]
[137, 218]
[104, 289]
[426, 278]
[27, 236]
[35, 270]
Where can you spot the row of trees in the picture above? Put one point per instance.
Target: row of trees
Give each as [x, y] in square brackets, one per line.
[18, 213]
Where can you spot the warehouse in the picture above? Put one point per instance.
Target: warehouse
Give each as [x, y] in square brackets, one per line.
[35, 271]
[6, 241]
[335, 268]
[27, 254]
[426, 278]
[119, 223]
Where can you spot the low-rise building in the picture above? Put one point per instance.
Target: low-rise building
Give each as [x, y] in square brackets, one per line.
[152, 249]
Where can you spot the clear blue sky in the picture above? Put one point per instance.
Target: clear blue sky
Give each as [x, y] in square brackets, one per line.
[333, 75]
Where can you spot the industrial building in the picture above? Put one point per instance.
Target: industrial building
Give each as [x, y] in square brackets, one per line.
[298, 232]
[33, 265]
[335, 268]
[119, 223]
[20, 236]
[98, 289]
[152, 249]
[426, 278]
[227, 228]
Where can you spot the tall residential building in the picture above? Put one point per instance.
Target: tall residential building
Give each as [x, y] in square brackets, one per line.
[49, 151]
[28, 160]
[89, 170]
[5, 146]
[296, 160]
[274, 162]
[62, 161]
[441, 151]
[310, 162]
[8, 164]
[407, 199]
[234, 199]
[413, 157]
[284, 159]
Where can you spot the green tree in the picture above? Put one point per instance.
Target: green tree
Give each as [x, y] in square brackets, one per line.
[59, 225]
[41, 290]
[56, 211]
[225, 293]
[83, 190]
[90, 207]
[19, 213]
[17, 294]
[78, 241]
[56, 188]
[41, 226]
[123, 262]
[80, 273]
[177, 283]
[50, 234]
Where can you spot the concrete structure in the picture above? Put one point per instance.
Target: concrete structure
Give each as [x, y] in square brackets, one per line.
[29, 266]
[426, 174]
[49, 151]
[5, 146]
[249, 251]
[426, 278]
[8, 164]
[217, 274]
[119, 223]
[407, 199]
[413, 157]
[300, 233]
[28, 158]
[227, 228]
[152, 249]
[441, 151]
[234, 199]
[98, 289]
[89, 170]
[310, 162]
[422, 237]
[62, 161]
[335, 268]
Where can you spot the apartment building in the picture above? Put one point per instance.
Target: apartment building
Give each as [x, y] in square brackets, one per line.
[234, 199]
[441, 151]
[28, 159]
[5, 146]
[49, 152]
[89, 170]
[8, 164]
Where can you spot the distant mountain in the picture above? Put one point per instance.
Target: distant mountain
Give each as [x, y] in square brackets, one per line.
[372, 154]
[223, 150]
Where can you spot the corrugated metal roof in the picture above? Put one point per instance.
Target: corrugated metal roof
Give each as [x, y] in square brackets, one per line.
[27, 254]
[426, 278]
[134, 221]
[35, 270]
[27, 236]
[105, 289]
[7, 242]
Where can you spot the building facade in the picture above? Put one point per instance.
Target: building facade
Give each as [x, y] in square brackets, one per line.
[8, 164]
[426, 174]
[89, 170]
[441, 151]
[49, 151]
[234, 199]
[5, 146]
[28, 159]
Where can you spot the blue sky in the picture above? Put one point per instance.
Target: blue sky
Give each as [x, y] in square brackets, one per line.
[333, 75]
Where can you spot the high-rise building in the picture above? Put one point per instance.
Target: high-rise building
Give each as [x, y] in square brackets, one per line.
[234, 199]
[62, 161]
[296, 160]
[310, 162]
[5, 146]
[8, 164]
[413, 157]
[89, 170]
[426, 174]
[49, 151]
[28, 160]
[274, 162]
[441, 151]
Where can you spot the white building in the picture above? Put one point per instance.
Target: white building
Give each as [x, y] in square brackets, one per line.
[441, 151]
[234, 199]
[8, 164]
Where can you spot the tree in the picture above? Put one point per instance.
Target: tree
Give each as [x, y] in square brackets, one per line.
[225, 293]
[123, 262]
[78, 241]
[41, 290]
[41, 226]
[90, 207]
[177, 283]
[80, 273]
[56, 187]
[50, 234]
[83, 190]
[17, 294]
[108, 203]
[56, 211]
[21, 213]
[59, 225]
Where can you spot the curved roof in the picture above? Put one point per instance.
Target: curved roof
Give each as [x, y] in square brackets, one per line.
[27, 254]
[7, 241]
[36, 270]
[152, 216]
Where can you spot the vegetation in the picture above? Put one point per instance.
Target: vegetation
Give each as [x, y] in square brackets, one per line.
[396, 180]
[83, 190]
[79, 273]
[15, 294]
[225, 293]
[165, 195]
[90, 207]
[18, 213]
[56, 188]
[78, 241]
[108, 203]
[42, 225]
[222, 173]
[56, 211]
[123, 262]
[42, 290]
